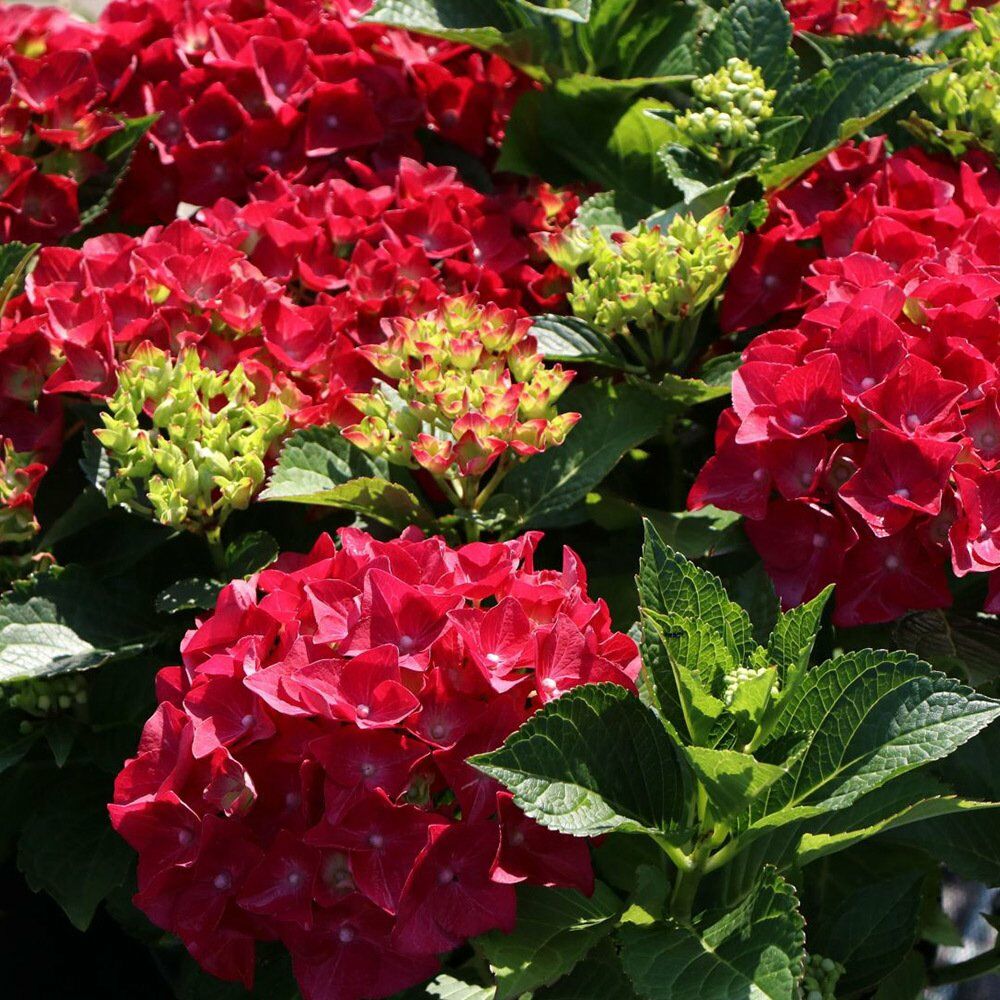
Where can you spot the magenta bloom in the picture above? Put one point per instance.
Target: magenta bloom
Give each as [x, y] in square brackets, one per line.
[304, 776]
[864, 438]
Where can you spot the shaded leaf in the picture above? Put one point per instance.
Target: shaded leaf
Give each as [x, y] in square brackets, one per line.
[754, 950]
[567, 338]
[613, 420]
[68, 849]
[555, 930]
[194, 594]
[731, 779]
[593, 761]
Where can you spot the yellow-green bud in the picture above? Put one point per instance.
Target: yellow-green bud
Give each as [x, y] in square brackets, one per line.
[820, 979]
[729, 106]
[651, 279]
[187, 444]
[964, 101]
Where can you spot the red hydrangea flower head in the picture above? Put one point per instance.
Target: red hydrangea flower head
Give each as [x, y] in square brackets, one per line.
[864, 438]
[58, 87]
[303, 90]
[891, 17]
[305, 779]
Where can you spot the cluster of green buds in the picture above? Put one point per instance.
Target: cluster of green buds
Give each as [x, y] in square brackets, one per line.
[820, 981]
[19, 476]
[740, 676]
[653, 281]
[187, 444]
[964, 101]
[48, 697]
[470, 393]
[730, 104]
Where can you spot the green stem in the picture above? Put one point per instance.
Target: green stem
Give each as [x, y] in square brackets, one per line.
[723, 855]
[971, 968]
[215, 548]
[687, 882]
[498, 476]
[676, 855]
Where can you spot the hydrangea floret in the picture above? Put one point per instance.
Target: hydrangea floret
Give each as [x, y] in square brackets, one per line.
[469, 397]
[187, 444]
[304, 777]
[650, 287]
[863, 443]
[730, 104]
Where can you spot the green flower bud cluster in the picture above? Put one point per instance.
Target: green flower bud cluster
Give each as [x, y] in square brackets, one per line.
[730, 105]
[739, 677]
[48, 697]
[649, 280]
[19, 476]
[965, 101]
[821, 977]
[187, 444]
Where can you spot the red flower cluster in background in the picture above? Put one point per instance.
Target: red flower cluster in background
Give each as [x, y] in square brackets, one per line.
[296, 128]
[56, 85]
[864, 17]
[304, 776]
[297, 88]
[863, 444]
[288, 286]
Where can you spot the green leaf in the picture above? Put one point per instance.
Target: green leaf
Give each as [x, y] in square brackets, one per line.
[318, 459]
[68, 849]
[906, 982]
[249, 553]
[686, 660]
[575, 11]
[593, 761]
[690, 172]
[116, 153]
[671, 585]
[446, 987]
[614, 418]
[36, 642]
[319, 466]
[791, 643]
[863, 910]
[698, 533]
[566, 338]
[866, 718]
[750, 702]
[15, 260]
[731, 779]
[719, 371]
[753, 950]
[379, 500]
[758, 31]
[681, 393]
[193, 594]
[14, 744]
[555, 930]
[968, 842]
[58, 622]
[600, 974]
[850, 95]
[594, 130]
[483, 24]
[905, 810]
